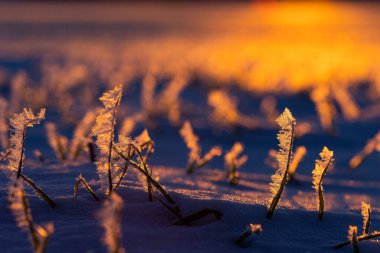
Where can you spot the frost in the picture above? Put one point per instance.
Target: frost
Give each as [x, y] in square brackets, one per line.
[225, 109]
[19, 123]
[81, 133]
[284, 156]
[191, 141]
[104, 132]
[19, 205]
[299, 154]
[232, 162]
[57, 142]
[366, 214]
[371, 145]
[353, 237]
[4, 126]
[325, 107]
[110, 217]
[195, 161]
[249, 230]
[321, 167]
[166, 103]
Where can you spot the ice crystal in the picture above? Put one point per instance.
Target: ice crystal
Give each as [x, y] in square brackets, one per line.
[81, 133]
[110, 217]
[366, 214]
[284, 156]
[19, 123]
[19, 205]
[191, 141]
[321, 167]
[57, 142]
[104, 132]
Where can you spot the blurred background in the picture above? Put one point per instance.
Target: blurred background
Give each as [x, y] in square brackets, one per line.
[51, 51]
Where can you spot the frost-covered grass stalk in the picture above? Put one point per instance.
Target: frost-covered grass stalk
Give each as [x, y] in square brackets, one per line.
[81, 134]
[19, 123]
[360, 238]
[368, 149]
[166, 103]
[110, 217]
[232, 162]
[325, 108]
[353, 237]
[123, 149]
[225, 110]
[350, 109]
[250, 229]
[19, 205]
[299, 154]
[366, 214]
[82, 180]
[286, 137]
[195, 161]
[321, 167]
[4, 126]
[104, 132]
[56, 141]
[142, 143]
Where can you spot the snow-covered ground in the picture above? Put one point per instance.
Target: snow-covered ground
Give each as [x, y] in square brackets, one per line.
[148, 227]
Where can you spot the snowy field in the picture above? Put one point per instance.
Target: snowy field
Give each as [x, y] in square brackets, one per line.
[230, 70]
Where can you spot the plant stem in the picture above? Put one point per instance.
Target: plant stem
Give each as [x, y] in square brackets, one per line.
[151, 180]
[360, 238]
[86, 185]
[20, 162]
[40, 192]
[284, 178]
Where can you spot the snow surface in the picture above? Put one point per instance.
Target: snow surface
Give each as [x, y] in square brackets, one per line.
[148, 227]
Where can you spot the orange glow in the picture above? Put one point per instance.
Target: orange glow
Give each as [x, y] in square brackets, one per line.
[263, 47]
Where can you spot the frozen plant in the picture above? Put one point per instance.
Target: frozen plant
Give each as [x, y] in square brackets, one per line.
[4, 125]
[19, 205]
[19, 123]
[167, 102]
[110, 217]
[250, 229]
[319, 172]
[353, 237]
[81, 180]
[81, 134]
[325, 108]
[57, 142]
[350, 109]
[38, 154]
[369, 148]
[366, 214]
[142, 147]
[127, 149]
[104, 131]
[129, 124]
[268, 108]
[232, 162]
[192, 142]
[225, 111]
[298, 156]
[284, 157]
